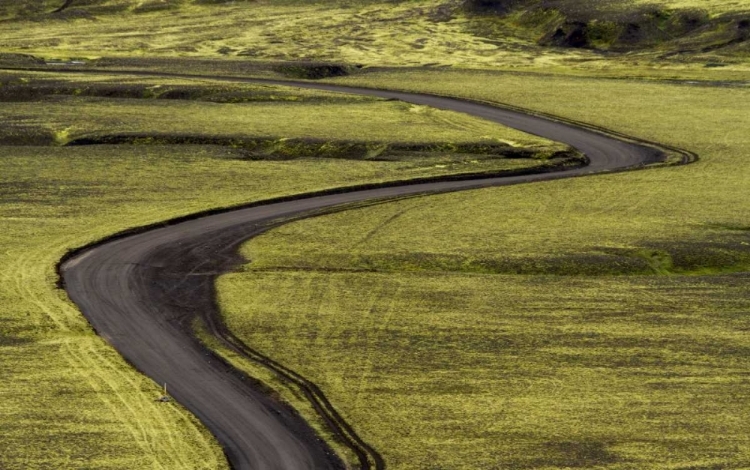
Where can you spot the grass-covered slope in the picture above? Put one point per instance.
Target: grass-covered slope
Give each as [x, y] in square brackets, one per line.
[67, 400]
[471, 33]
[586, 323]
[668, 26]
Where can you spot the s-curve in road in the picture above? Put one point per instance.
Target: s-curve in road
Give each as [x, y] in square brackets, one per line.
[142, 292]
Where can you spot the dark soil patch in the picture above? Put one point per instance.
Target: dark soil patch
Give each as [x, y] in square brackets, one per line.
[217, 67]
[313, 71]
[64, 6]
[69, 14]
[728, 254]
[493, 6]
[9, 340]
[14, 90]
[686, 258]
[637, 29]
[570, 34]
[25, 135]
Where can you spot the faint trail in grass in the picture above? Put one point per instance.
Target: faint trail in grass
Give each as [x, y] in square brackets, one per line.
[167, 447]
[384, 224]
[88, 370]
[94, 369]
[380, 324]
[64, 6]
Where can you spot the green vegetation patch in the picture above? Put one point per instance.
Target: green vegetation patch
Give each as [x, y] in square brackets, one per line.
[623, 344]
[496, 371]
[262, 123]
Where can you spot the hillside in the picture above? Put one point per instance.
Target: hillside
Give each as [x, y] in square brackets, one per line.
[467, 33]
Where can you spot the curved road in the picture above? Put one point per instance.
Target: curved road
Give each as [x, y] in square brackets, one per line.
[142, 292]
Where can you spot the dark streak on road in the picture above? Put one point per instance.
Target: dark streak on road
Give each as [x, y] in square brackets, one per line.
[143, 292]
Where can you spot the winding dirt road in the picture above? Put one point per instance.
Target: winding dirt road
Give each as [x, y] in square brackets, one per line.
[142, 292]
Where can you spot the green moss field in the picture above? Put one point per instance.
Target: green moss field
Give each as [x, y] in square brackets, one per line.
[588, 323]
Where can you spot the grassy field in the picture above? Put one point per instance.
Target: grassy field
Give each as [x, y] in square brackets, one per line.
[259, 123]
[572, 324]
[67, 400]
[587, 323]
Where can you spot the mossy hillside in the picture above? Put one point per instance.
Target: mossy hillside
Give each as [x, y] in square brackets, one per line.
[621, 346]
[68, 400]
[378, 33]
[617, 26]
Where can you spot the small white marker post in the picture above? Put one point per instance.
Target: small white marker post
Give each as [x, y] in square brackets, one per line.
[164, 398]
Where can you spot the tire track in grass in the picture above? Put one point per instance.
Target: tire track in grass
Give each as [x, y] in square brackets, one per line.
[85, 357]
[367, 456]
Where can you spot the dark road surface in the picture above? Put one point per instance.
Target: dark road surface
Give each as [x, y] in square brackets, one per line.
[141, 292]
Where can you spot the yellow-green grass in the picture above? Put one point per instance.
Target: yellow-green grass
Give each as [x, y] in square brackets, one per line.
[668, 208]
[365, 120]
[409, 33]
[73, 109]
[445, 370]
[67, 400]
[373, 33]
[620, 347]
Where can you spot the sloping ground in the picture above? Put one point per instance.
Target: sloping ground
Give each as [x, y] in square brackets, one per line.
[621, 26]
[589, 323]
[472, 33]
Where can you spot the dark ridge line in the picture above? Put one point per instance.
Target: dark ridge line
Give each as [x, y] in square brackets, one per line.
[347, 150]
[312, 391]
[645, 79]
